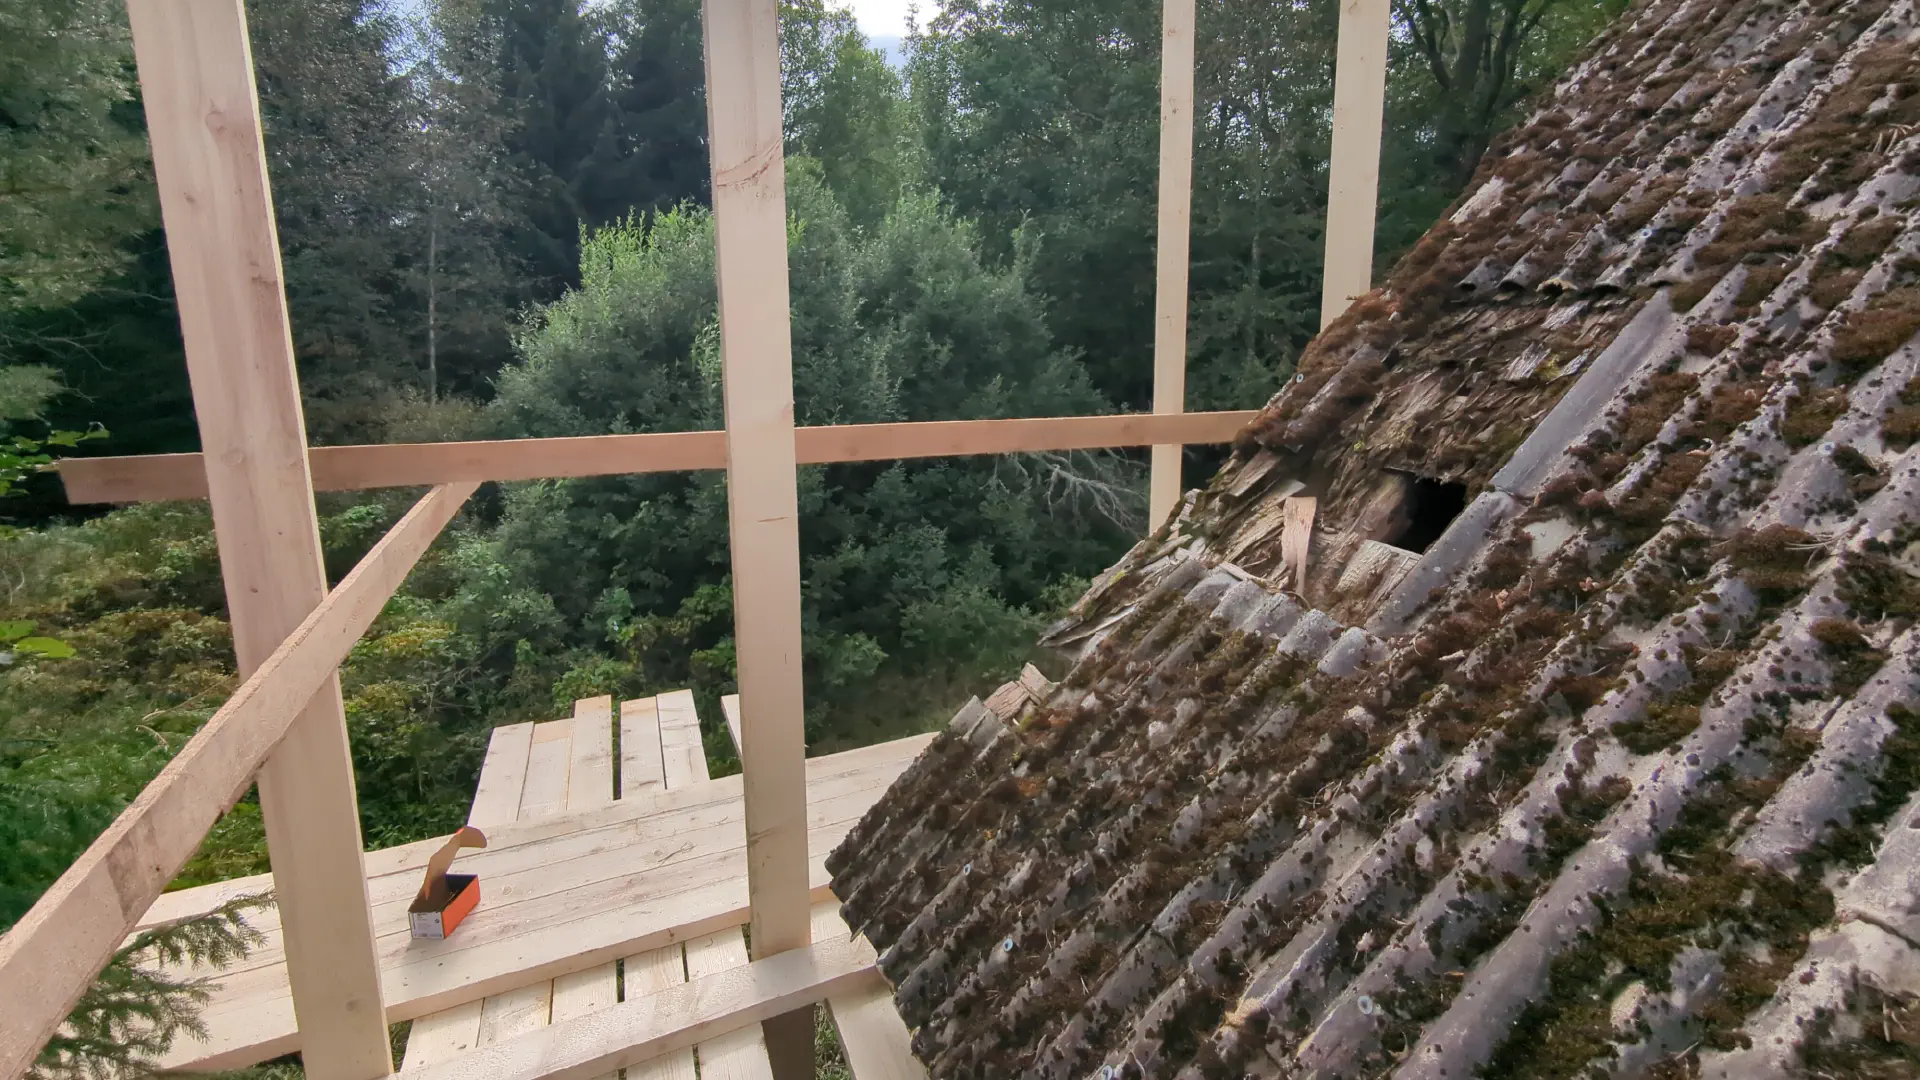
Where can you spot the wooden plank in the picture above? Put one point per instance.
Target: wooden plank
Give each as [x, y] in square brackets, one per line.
[677, 771]
[496, 801]
[1031, 687]
[1171, 247]
[730, 709]
[561, 894]
[684, 754]
[683, 757]
[742, 1054]
[160, 477]
[496, 798]
[1373, 571]
[641, 1029]
[1296, 536]
[442, 1035]
[52, 954]
[203, 121]
[589, 784]
[873, 1038]
[745, 147]
[959, 438]
[588, 766]
[1007, 701]
[590, 771]
[662, 908]
[1353, 188]
[737, 1055]
[558, 878]
[642, 769]
[585, 993]
[539, 879]
[516, 1012]
[650, 973]
[1035, 682]
[548, 761]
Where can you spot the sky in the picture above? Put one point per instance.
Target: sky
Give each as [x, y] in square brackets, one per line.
[886, 18]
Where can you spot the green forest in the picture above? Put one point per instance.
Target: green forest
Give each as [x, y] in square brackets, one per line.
[492, 216]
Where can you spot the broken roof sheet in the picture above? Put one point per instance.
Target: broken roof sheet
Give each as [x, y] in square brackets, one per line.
[1616, 777]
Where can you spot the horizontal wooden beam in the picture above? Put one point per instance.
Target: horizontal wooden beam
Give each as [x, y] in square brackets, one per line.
[50, 957]
[673, 1018]
[956, 438]
[161, 477]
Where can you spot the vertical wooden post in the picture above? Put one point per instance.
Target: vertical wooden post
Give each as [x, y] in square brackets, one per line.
[1353, 180]
[203, 117]
[744, 139]
[1170, 276]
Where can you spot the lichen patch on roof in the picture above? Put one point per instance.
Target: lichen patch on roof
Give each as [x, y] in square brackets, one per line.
[1588, 744]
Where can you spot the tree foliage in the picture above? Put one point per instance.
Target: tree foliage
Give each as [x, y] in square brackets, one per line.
[24, 392]
[72, 162]
[903, 322]
[340, 124]
[1475, 59]
[1045, 114]
[137, 1008]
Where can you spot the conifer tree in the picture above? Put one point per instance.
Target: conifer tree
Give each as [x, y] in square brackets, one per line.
[134, 1011]
[341, 145]
[652, 153]
[549, 71]
[72, 159]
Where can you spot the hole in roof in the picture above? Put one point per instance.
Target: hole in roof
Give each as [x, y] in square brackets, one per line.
[1431, 506]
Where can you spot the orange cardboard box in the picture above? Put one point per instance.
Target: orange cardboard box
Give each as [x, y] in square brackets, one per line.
[445, 899]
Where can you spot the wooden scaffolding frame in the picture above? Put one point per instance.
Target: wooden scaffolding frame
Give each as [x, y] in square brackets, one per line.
[1359, 98]
[284, 728]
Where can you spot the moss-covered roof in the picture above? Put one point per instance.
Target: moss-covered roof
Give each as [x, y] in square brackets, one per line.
[1619, 772]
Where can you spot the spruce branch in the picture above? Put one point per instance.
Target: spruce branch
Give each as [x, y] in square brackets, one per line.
[135, 1009]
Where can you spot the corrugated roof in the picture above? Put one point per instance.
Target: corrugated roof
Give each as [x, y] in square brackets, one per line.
[1617, 776]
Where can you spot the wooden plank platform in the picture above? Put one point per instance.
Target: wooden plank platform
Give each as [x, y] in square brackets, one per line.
[660, 748]
[511, 770]
[563, 893]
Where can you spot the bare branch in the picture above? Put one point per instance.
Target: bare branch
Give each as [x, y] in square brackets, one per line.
[1083, 484]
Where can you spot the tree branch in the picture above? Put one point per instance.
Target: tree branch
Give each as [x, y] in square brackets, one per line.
[1426, 37]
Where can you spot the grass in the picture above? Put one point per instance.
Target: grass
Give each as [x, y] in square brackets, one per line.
[829, 1061]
